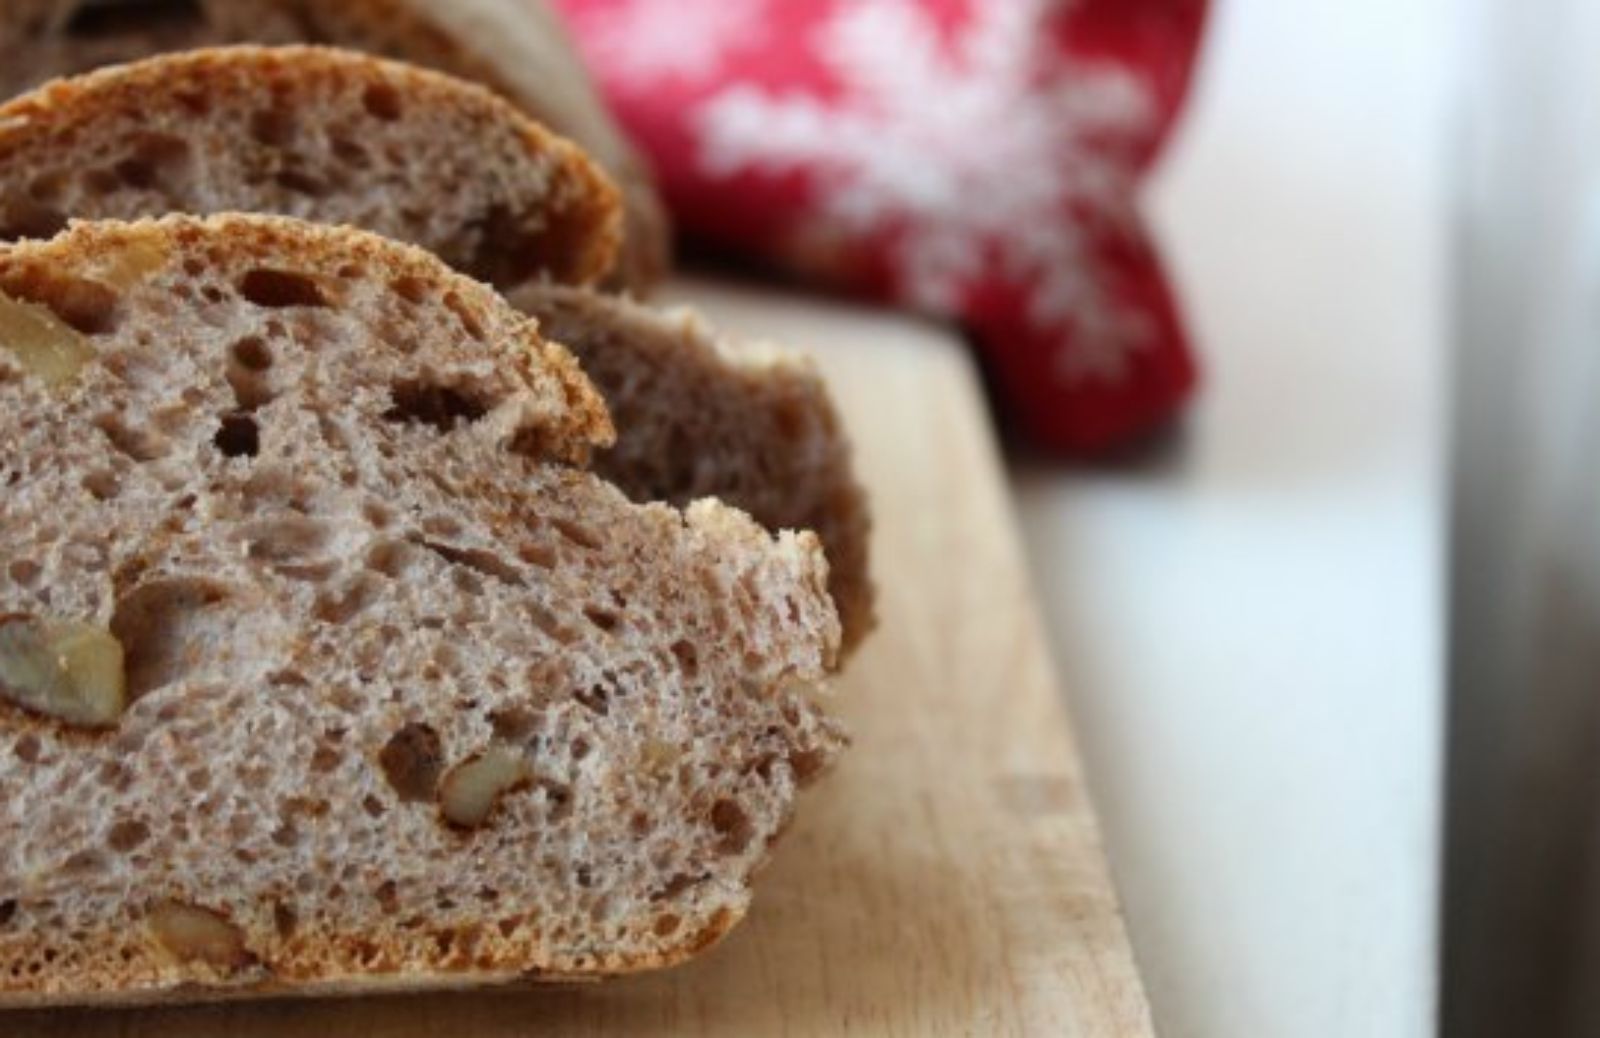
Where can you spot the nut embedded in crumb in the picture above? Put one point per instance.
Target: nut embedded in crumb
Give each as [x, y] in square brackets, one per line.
[137, 259]
[42, 343]
[468, 794]
[194, 934]
[65, 669]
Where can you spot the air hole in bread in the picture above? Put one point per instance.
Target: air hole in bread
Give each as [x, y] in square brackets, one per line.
[287, 834]
[412, 761]
[377, 514]
[688, 659]
[97, 183]
[274, 289]
[114, 776]
[273, 127]
[127, 835]
[464, 314]
[302, 183]
[547, 623]
[325, 758]
[27, 218]
[158, 160]
[169, 627]
[8, 911]
[382, 101]
[350, 153]
[252, 354]
[196, 102]
[732, 824]
[604, 619]
[391, 558]
[48, 188]
[86, 306]
[676, 885]
[596, 699]
[513, 724]
[27, 749]
[238, 436]
[806, 764]
[431, 403]
[138, 443]
[485, 562]
[100, 19]
[577, 533]
[441, 526]
[411, 289]
[344, 606]
[540, 555]
[283, 919]
[23, 572]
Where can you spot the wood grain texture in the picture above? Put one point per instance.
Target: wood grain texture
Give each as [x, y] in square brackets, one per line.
[948, 878]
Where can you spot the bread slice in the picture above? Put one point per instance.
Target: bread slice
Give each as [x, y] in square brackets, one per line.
[321, 669]
[516, 47]
[701, 415]
[312, 132]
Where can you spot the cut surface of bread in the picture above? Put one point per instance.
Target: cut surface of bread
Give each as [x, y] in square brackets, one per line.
[321, 669]
[699, 415]
[518, 48]
[310, 132]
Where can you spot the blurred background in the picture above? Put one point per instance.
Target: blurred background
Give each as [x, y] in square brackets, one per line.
[1290, 314]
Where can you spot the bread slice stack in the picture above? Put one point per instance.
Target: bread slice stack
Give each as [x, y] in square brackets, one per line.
[344, 642]
[323, 663]
[338, 137]
[517, 48]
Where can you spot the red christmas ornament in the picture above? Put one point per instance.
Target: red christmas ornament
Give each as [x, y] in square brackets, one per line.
[973, 159]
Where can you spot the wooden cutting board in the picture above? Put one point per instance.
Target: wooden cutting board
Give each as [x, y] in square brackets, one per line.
[948, 878]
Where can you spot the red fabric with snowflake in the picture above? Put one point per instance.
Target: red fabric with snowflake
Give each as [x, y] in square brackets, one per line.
[974, 159]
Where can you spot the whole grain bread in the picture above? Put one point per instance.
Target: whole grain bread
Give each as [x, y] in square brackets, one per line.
[516, 47]
[698, 415]
[701, 415]
[402, 698]
[333, 135]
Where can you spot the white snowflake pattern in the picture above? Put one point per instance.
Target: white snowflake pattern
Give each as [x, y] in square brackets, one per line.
[644, 44]
[977, 152]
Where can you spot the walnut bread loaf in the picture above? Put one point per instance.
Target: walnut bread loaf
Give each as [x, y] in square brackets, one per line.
[517, 48]
[323, 668]
[698, 415]
[312, 132]
[701, 415]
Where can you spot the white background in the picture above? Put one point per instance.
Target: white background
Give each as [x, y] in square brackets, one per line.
[1250, 625]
